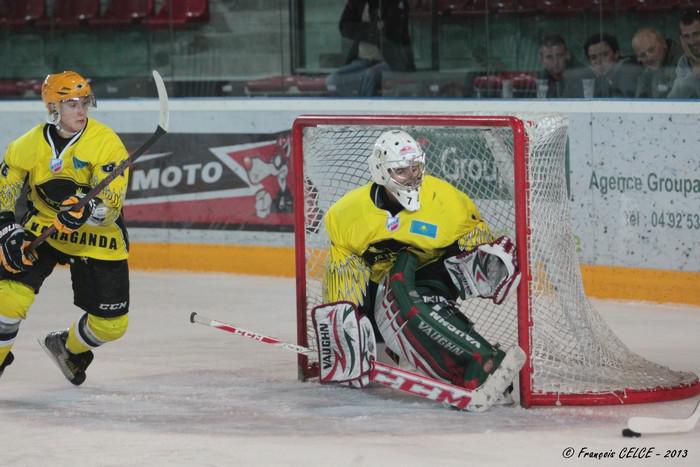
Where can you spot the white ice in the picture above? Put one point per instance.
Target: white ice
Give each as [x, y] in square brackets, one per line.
[172, 393]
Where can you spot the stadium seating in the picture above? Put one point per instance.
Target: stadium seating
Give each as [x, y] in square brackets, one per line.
[71, 13]
[546, 7]
[524, 84]
[311, 84]
[560, 7]
[461, 7]
[287, 85]
[513, 6]
[4, 12]
[11, 88]
[22, 13]
[178, 13]
[14, 88]
[488, 86]
[606, 6]
[424, 83]
[646, 5]
[420, 7]
[124, 13]
[683, 4]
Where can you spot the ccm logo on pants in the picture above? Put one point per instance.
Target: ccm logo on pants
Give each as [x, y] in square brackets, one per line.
[112, 306]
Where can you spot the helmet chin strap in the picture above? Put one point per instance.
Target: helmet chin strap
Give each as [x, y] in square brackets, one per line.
[54, 115]
[54, 119]
[62, 132]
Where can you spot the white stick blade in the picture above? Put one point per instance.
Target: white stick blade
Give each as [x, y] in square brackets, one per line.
[664, 425]
[164, 120]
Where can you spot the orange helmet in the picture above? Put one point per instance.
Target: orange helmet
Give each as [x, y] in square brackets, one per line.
[65, 86]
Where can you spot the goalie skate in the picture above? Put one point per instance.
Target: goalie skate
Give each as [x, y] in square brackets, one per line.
[492, 391]
[72, 366]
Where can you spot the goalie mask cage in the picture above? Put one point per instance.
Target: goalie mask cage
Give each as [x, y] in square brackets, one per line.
[514, 169]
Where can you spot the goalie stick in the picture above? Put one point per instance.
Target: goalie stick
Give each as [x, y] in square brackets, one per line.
[637, 426]
[386, 375]
[163, 122]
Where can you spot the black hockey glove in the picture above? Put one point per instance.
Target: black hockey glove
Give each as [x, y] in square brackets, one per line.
[13, 241]
[68, 220]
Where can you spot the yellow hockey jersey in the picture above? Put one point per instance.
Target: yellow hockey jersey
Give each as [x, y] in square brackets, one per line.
[366, 239]
[52, 176]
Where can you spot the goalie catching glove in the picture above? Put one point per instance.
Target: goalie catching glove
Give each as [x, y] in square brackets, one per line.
[345, 342]
[68, 220]
[13, 241]
[489, 271]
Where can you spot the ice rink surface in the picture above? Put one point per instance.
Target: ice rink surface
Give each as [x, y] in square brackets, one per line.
[172, 393]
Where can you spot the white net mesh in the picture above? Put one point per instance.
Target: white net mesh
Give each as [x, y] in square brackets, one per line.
[573, 350]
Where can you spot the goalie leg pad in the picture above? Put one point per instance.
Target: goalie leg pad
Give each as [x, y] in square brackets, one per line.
[489, 271]
[429, 331]
[346, 344]
[492, 391]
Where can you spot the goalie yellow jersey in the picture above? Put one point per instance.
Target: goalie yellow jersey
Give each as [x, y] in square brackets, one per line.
[52, 176]
[366, 239]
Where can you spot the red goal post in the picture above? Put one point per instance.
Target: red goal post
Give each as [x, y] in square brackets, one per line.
[514, 169]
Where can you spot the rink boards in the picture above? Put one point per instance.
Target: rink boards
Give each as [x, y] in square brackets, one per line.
[213, 195]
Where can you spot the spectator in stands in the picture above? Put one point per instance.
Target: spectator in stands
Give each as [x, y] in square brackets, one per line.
[614, 76]
[381, 42]
[555, 59]
[658, 57]
[687, 82]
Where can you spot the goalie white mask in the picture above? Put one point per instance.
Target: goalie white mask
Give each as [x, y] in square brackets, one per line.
[397, 163]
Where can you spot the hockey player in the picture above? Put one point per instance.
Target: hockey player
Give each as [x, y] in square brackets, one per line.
[59, 161]
[404, 248]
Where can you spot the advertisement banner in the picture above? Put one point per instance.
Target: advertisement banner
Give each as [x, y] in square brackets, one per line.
[221, 175]
[212, 181]
[636, 190]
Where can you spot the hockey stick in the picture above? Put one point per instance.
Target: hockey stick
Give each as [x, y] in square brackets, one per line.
[199, 319]
[163, 121]
[637, 426]
[406, 381]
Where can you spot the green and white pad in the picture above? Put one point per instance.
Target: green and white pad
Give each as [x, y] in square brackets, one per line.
[422, 324]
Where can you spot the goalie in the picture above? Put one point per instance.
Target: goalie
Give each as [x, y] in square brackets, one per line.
[404, 248]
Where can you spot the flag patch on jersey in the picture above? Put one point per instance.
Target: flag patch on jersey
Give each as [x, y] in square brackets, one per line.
[78, 164]
[424, 228]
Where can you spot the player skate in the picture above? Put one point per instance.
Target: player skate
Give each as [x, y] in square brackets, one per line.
[7, 362]
[72, 365]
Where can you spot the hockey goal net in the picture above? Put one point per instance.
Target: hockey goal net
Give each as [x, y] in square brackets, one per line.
[514, 169]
